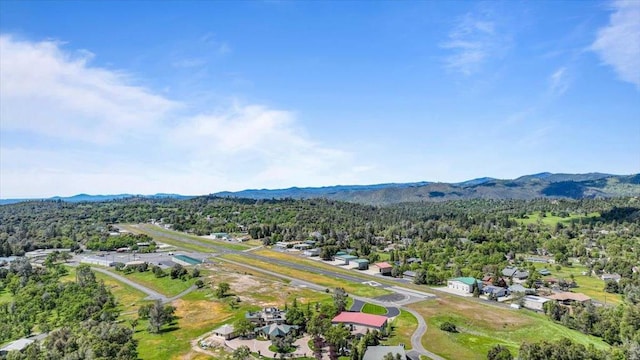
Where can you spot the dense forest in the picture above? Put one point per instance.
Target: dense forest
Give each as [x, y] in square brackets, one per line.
[453, 238]
[79, 316]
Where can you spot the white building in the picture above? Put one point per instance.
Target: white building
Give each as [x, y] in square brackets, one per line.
[463, 284]
[97, 261]
[534, 302]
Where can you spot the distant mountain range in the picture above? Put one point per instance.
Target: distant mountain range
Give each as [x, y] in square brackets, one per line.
[98, 198]
[574, 186]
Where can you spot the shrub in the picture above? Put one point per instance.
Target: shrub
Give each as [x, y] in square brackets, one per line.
[448, 327]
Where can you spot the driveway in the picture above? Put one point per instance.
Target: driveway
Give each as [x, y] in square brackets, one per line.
[357, 305]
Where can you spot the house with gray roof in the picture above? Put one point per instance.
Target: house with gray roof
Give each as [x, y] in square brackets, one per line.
[515, 273]
[496, 291]
[379, 352]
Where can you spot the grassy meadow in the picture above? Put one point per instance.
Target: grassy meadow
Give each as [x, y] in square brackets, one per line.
[482, 326]
[322, 280]
[551, 220]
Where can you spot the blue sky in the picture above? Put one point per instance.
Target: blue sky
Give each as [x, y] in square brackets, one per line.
[199, 97]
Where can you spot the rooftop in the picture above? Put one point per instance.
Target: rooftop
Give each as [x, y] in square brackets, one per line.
[360, 318]
[188, 259]
[536, 299]
[360, 261]
[224, 329]
[346, 257]
[467, 280]
[378, 352]
[383, 265]
[564, 296]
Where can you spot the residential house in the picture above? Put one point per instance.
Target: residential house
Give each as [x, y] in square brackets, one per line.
[266, 316]
[544, 272]
[464, 284]
[515, 273]
[379, 352]
[384, 268]
[277, 330]
[413, 260]
[517, 288]
[496, 291]
[570, 298]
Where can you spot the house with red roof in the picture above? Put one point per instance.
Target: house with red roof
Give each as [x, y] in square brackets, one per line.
[360, 321]
[384, 268]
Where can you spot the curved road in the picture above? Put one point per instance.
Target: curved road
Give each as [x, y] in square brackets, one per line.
[416, 338]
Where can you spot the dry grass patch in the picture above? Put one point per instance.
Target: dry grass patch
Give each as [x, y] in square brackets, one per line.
[201, 314]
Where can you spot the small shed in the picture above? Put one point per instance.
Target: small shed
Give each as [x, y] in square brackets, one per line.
[363, 264]
[384, 268]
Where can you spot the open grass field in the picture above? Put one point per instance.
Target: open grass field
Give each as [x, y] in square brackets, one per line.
[403, 327]
[589, 285]
[551, 220]
[166, 240]
[164, 285]
[322, 280]
[482, 326]
[374, 309]
[196, 316]
[219, 243]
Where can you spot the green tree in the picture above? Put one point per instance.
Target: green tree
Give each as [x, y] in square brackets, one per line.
[222, 290]
[499, 352]
[241, 353]
[243, 326]
[339, 299]
[159, 316]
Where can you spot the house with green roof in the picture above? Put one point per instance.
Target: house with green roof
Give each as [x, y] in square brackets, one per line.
[464, 284]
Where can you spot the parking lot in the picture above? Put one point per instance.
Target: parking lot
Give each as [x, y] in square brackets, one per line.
[162, 259]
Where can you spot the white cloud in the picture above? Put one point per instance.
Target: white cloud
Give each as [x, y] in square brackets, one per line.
[472, 42]
[55, 93]
[618, 44]
[559, 82]
[70, 127]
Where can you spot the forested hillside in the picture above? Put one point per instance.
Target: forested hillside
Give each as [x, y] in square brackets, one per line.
[452, 238]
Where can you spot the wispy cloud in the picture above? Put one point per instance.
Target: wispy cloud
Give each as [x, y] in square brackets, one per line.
[618, 43]
[72, 127]
[472, 41]
[559, 82]
[211, 40]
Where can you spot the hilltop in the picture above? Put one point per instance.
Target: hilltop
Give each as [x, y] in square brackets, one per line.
[542, 185]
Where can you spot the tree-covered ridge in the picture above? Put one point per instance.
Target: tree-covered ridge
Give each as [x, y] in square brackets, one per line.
[79, 315]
